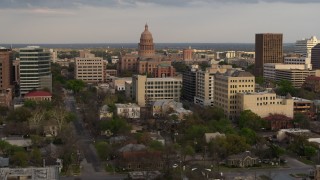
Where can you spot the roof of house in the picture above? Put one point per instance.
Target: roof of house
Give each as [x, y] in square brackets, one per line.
[242, 155]
[132, 147]
[4, 162]
[38, 94]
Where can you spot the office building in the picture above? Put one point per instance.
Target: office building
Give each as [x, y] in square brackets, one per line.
[295, 76]
[304, 46]
[264, 103]
[145, 90]
[205, 84]
[35, 71]
[90, 70]
[269, 69]
[315, 56]
[189, 83]
[187, 54]
[268, 49]
[5, 68]
[227, 85]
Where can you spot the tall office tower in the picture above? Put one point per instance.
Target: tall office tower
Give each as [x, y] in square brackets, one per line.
[304, 46]
[35, 71]
[5, 68]
[315, 57]
[189, 84]
[187, 54]
[268, 49]
[146, 46]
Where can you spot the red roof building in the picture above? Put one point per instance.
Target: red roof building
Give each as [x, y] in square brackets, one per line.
[38, 96]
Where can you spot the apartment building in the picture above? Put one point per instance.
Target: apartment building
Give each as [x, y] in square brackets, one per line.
[204, 95]
[147, 90]
[264, 103]
[227, 86]
[90, 70]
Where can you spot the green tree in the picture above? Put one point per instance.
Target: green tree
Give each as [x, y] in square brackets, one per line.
[180, 66]
[249, 134]
[21, 114]
[301, 120]
[285, 87]
[156, 145]
[116, 126]
[187, 151]
[35, 156]
[103, 150]
[259, 80]
[236, 144]
[310, 151]
[249, 119]
[75, 85]
[20, 158]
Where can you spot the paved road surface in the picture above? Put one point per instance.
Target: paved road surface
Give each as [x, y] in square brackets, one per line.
[92, 168]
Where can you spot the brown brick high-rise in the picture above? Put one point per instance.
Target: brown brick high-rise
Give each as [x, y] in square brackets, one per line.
[268, 49]
[5, 68]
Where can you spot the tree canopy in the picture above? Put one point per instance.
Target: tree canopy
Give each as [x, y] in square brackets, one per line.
[75, 85]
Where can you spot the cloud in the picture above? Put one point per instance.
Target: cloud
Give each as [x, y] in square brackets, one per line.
[12, 4]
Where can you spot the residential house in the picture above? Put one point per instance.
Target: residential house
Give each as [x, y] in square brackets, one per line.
[245, 159]
[211, 136]
[138, 157]
[105, 112]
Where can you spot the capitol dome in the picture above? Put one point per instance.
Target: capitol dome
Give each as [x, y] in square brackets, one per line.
[146, 46]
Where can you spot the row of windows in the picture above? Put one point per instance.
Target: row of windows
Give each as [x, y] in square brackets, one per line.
[266, 98]
[165, 82]
[162, 87]
[266, 103]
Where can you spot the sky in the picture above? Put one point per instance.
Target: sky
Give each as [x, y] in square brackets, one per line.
[170, 21]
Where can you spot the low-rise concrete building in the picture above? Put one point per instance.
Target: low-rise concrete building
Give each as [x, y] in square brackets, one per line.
[128, 110]
[264, 103]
